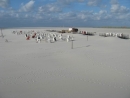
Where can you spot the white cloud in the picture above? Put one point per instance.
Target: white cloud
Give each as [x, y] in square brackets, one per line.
[67, 16]
[90, 15]
[81, 0]
[1, 13]
[101, 15]
[116, 8]
[4, 3]
[68, 2]
[119, 12]
[17, 15]
[114, 2]
[102, 12]
[50, 8]
[28, 6]
[26, 15]
[59, 11]
[94, 2]
[38, 16]
[82, 16]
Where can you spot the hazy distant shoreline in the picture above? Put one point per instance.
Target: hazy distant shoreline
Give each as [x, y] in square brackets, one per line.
[63, 27]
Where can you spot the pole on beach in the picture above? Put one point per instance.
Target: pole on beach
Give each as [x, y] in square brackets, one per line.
[87, 37]
[2, 33]
[72, 44]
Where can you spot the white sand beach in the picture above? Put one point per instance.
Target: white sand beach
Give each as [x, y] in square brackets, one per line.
[97, 68]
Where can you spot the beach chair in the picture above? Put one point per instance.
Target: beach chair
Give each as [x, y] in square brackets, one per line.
[28, 38]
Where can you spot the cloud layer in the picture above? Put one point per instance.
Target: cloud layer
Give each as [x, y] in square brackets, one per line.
[27, 7]
[4, 3]
[94, 13]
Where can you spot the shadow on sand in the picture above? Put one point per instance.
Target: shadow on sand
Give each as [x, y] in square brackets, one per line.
[81, 47]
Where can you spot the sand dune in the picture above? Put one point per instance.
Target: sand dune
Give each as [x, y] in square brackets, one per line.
[97, 68]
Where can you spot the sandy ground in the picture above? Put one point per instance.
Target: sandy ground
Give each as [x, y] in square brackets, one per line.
[97, 68]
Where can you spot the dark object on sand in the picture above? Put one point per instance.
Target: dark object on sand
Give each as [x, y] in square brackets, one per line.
[124, 36]
[84, 32]
[55, 38]
[73, 30]
[28, 38]
[34, 35]
[6, 40]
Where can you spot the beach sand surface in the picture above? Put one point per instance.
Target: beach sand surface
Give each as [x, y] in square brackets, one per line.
[95, 68]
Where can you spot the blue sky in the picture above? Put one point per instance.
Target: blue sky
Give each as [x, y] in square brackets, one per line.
[74, 13]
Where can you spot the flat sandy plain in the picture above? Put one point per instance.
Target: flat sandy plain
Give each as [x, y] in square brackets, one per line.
[97, 68]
